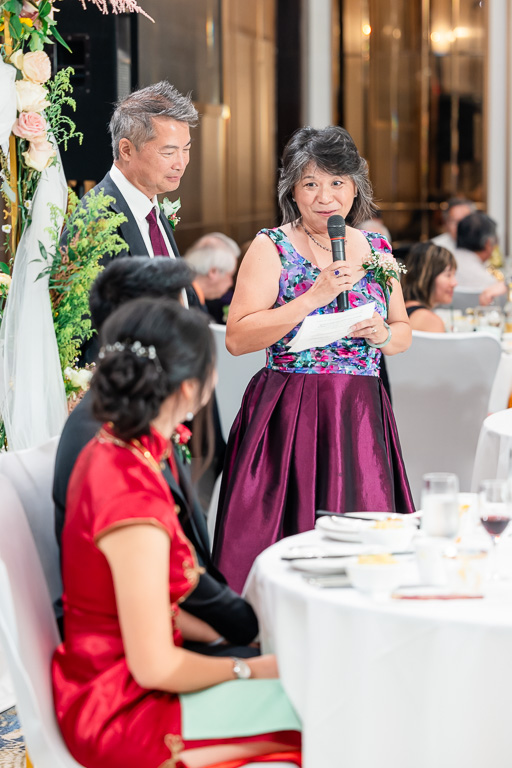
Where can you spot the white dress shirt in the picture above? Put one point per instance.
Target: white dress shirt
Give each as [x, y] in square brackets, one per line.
[472, 274]
[140, 205]
[445, 241]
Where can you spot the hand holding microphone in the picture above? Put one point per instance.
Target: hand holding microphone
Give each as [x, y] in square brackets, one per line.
[336, 228]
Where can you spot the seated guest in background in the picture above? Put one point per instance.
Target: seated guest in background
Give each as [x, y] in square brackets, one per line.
[456, 209]
[315, 430]
[214, 260]
[213, 601]
[375, 224]
[476, 239]
[218, 308]
[121, 679]
[429, 281]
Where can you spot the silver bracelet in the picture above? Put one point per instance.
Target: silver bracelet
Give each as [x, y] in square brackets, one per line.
[382, 343]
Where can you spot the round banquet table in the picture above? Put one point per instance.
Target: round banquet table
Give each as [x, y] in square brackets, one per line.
[494, 451]
[393, 683]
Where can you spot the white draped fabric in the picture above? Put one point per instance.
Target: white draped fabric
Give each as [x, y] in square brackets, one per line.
[32, 394]
[7, 103]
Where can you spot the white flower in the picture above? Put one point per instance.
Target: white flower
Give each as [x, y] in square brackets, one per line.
[6, 228]
[5, 279]
[78, 378]
[30, 97]
[28, 205]
[170, 208]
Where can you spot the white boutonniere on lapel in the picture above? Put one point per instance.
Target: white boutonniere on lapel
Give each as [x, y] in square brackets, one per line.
[170, 210]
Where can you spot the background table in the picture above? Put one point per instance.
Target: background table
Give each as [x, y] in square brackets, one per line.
[494, 451]
[396, 684]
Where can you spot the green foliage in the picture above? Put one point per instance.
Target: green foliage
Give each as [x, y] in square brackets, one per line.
[62, 126]
[36, 32]
[91, 233]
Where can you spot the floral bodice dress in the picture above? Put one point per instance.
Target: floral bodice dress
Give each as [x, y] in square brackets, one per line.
[315, 431]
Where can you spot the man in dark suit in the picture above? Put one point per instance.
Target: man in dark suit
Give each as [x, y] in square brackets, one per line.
[212, 601]
[150, 132]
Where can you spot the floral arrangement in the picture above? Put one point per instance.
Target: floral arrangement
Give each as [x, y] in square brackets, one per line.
[384, 268]
[33, 123]
[90, 234]
[170, 210]
[181, 438]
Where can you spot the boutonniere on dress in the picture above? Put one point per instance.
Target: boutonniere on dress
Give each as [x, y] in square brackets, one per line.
[384, 268]
[181, 437]
[170, 210]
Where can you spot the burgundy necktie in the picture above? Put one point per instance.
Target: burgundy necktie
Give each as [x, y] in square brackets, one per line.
[155, 235]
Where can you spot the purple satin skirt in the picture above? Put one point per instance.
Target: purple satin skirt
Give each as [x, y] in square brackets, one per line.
[303, 442]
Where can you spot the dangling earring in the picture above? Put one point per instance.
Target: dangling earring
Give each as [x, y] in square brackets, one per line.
[189, 416]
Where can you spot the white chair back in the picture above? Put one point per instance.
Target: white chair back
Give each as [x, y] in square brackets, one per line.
[31, 473]
[234, 375]
[28, 633]
[441, 388]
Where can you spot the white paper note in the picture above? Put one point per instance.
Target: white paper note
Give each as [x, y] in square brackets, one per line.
[322, 330]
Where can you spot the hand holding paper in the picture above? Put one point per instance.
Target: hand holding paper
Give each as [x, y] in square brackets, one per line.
[322, 330]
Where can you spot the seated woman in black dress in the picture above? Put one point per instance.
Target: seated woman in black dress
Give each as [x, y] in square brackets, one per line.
[429, 281]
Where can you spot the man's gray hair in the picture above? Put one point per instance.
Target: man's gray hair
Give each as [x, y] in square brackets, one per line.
[205, 256]
[133, 115]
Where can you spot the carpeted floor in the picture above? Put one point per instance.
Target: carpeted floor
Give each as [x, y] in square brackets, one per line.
[12, 746]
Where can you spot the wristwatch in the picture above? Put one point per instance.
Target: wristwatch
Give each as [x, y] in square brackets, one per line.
[241, 669]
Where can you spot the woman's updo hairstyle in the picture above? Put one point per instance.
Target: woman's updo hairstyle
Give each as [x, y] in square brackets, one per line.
[332, 150]
[131, 382]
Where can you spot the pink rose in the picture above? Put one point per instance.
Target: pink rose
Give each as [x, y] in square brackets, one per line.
[37, 67]
[39, 155]
[30, 126]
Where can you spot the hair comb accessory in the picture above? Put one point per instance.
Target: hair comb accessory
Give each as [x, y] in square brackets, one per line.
[138, 349]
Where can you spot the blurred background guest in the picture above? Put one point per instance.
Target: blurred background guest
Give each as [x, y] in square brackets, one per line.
[476, 239]
[214, 260]
[456, 209]
[429, 281]
[212, 601]
[121, 676]
[375, 224]
[315, 429]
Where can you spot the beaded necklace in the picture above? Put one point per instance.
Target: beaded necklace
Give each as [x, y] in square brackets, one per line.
[308, 233]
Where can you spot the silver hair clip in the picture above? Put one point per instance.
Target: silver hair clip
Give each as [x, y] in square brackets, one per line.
[136, 348]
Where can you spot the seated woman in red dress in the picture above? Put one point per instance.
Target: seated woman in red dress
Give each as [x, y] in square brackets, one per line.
[127, 695]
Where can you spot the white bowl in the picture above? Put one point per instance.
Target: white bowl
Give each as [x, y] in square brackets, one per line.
[375, 578]
[391, 539]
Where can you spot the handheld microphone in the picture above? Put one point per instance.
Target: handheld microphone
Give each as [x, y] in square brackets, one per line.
[336, 229]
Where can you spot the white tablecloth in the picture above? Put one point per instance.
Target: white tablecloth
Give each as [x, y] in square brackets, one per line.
[494, 451]
[396, 684]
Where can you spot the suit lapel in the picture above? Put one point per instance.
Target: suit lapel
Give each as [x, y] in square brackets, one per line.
[130, 231]
[170, 234]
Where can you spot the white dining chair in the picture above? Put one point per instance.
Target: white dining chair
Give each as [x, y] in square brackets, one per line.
[31, 472]
[234, 375]
[28, 633]
[441, 387]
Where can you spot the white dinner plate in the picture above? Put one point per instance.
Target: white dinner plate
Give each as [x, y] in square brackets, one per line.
[329, 565]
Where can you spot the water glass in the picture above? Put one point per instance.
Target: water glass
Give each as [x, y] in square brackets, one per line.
[440, 504]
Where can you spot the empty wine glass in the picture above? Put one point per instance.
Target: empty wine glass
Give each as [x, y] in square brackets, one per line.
[495, 508]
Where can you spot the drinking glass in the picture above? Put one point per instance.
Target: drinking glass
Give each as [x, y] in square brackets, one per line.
[495, 509]
[440, 504]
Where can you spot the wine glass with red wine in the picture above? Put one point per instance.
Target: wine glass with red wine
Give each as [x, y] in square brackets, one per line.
[495, 510]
